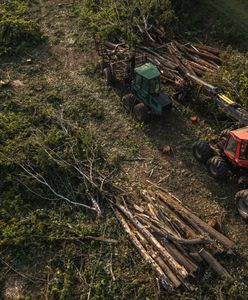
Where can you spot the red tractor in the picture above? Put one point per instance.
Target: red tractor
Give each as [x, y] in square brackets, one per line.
[229, 155]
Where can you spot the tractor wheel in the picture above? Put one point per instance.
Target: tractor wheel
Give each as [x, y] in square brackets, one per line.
[103, 65]
[108, 75]
[241, 199]
[129, 102]
[202, 151]
[140, 112]
[217, 167]
[225, 133]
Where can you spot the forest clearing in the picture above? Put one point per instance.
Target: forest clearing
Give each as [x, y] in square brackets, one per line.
[95, 203]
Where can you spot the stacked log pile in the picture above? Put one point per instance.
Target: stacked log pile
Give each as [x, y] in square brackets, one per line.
[175, 60]
[171, 238]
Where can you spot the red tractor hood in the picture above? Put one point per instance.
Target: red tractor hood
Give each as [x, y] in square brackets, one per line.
[241, 134]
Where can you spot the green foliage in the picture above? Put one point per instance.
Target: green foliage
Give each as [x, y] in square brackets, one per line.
[126, 20]
[215, 21]
[17, 30]
[43, 238]
[233, 76]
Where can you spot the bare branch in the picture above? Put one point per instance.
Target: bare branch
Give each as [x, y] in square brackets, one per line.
[39, 178]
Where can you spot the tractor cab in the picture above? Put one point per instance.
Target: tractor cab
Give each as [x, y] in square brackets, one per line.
[236, 147]
[146, 87]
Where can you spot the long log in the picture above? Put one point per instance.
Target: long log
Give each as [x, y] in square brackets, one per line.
[178, 61]
[163, 230]
[202, 62]
[156, 211]
[196, 256]
[164, 279]
[214, 264]
[177, 219]
[209, 49]
[163, 265]
[188, 231]
[161, 58]
[174, 265]
[198, 72]
[155, 255]
[211, 231]
[165, 79]
[205, 55]
[190, 266]
[202, 68]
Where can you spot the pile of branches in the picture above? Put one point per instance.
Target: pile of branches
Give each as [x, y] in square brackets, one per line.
[175, 60]
[172, 238]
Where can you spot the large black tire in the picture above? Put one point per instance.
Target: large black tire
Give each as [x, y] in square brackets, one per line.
[141, 112]
[241, 199]
[202, 151]
[129, 102]
[108, 75]
[217, 167]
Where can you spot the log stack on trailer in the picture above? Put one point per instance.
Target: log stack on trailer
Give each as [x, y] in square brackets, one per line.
[176, 59]
[181, 64]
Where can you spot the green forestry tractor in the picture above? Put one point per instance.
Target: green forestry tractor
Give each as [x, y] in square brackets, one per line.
[142, 79]
[145, 96]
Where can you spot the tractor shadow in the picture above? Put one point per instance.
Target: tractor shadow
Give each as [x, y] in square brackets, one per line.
[187, 177]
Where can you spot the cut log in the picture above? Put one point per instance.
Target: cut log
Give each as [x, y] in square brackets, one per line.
[190, 266]
[202, 68]
[211, 231]
[155, 255]
[205, 55]
[174, 265]
[164, 279]
[196, 256]
[209, 49]
[214, 264]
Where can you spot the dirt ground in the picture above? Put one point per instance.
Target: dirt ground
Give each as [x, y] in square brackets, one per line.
[137, 146]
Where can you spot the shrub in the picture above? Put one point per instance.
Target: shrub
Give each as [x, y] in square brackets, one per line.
[17, 30]
[128, 21]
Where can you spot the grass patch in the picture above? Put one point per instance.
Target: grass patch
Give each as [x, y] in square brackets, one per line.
[17, 30]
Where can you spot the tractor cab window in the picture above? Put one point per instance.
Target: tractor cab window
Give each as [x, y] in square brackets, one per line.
[154, 86]
[145, 85]
[244, 151]
[231, 145]
[138, 80]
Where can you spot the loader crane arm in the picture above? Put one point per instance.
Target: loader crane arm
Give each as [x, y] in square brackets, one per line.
[230, 107]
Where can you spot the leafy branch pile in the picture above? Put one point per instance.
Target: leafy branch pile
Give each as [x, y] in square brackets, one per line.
[52, 174]
[17, 30]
